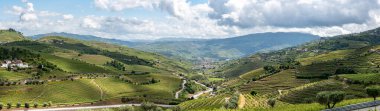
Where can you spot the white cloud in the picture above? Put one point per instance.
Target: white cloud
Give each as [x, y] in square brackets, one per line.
[291, 13]
[118, 5]
[68, 17]
[25, 14]
[90, 22]
[48, 14]
[215, 19]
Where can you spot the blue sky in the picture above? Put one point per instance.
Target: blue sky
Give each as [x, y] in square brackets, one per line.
[154, 19]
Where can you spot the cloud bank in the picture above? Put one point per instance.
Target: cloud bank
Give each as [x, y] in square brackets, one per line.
[213, 19]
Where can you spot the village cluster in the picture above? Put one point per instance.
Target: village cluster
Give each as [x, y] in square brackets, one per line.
[14, 64]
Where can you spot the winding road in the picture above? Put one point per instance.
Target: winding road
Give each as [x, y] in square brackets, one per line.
[91, 107]
[195, 96]
[183, 87]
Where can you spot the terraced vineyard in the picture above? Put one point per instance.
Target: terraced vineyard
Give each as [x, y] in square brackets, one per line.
[255, 101]
[280, 81]
[251, 74]
[307, 93]
[362, 78]
[216, 102]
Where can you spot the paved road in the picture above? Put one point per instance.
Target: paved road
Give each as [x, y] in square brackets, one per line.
[183, 87]
[91, 107]
[195, 96]
[376, 108]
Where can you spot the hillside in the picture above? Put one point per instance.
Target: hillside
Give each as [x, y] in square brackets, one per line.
[294, 76]
[229, 48]
[83, 37]
[10, 35]
[352, 47]
[88, 71]
[199, 49]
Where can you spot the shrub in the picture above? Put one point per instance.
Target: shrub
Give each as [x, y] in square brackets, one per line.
[271, 102]
[9, 105]
[233, 102]
[18, 105]
[148, 106]
[44, 104]
[329, 98]
[26, 105]
[253, 93]
[35, 105]
[373, 91]
[1, 106]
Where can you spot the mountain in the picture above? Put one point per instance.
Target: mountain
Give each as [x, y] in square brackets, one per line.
[229, 48]
[84, 37]
[308, 54]
[200, 49]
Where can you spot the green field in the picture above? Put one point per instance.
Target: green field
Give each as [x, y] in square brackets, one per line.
[87, 90]
[362, 78]
[12, 76]
[340, 54]
[75, 66]
[280, 81]
[308, 92]
[306, 107]
[251, 74]
[166, 88]
[8, 36]
[70, 92]
[204, 103]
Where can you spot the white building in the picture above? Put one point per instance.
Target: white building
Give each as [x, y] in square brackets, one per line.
[14, 63]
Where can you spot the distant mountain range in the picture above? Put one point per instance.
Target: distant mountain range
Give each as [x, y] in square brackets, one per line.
[229, 48]
[84, 37]
[199, 49]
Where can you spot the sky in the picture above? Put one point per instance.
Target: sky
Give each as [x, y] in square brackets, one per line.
[205, 19]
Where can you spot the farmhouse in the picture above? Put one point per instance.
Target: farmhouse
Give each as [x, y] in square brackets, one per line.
[14, 63]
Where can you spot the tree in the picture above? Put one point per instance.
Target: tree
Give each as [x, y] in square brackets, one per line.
[271, 102]
[330, 98]
[148, 106]
[373, 91]
[26, 105]
[9, 105]
[18, 105]
[1, 106]
[253, 93]
[35, 105]
[44, 104]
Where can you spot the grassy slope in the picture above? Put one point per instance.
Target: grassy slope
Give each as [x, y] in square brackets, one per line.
[7, 36]
[251, 74]
[58, 92]
[307, 93]
[280, 81]
[204, 103]
[12, 76]
[164, 89]
[162, 63]
[362, 78]
[70, 65]
[84, 90]
[340, 54]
